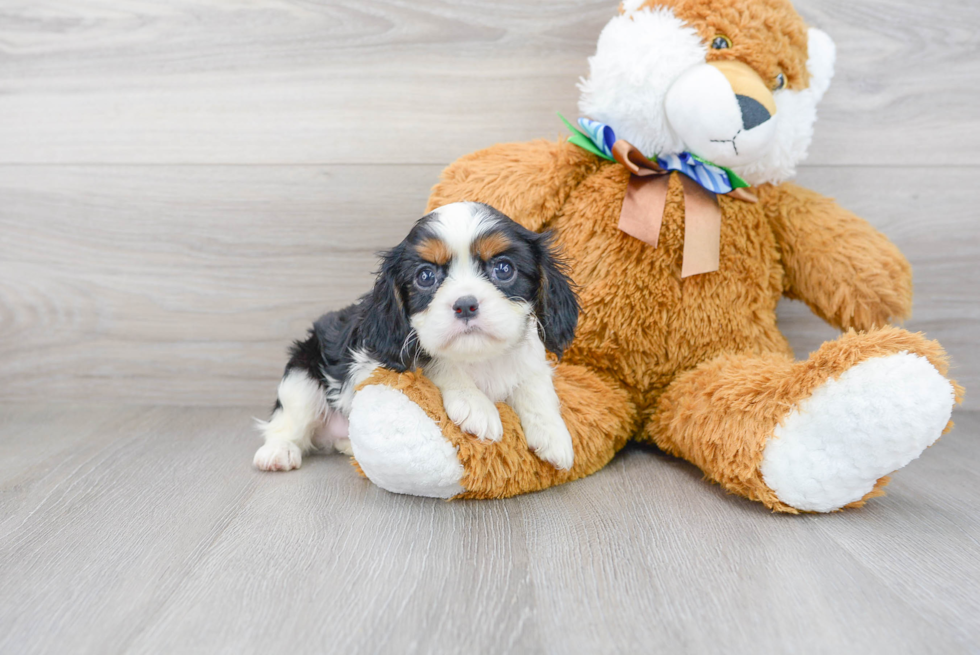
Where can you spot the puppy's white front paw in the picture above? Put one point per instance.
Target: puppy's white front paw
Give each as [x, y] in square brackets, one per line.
[552, 443]
[474, 413]
[278, 456]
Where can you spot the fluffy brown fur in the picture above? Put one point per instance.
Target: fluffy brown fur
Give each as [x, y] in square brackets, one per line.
[849, 274]
[698, 365]
[695, 365]
[763, 34]
[599, 416]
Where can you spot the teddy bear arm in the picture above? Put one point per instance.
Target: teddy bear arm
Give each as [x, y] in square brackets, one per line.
[404, 441]
[846, 271]
[529, 182]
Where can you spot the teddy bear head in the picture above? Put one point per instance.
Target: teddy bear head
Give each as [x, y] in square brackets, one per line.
[735, 82]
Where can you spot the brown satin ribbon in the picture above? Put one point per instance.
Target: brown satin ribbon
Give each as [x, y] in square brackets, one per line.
[646, 198]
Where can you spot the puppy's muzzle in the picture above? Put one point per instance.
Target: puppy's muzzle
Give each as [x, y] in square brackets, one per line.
[466, 307]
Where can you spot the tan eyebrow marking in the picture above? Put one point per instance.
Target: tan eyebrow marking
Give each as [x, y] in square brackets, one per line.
[490, 245]
[434, 251]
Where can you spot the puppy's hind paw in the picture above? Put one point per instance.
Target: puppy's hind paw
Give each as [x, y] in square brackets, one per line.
[474, 413]
[278, 456]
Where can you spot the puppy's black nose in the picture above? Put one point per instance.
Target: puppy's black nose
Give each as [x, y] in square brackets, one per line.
[466, 307]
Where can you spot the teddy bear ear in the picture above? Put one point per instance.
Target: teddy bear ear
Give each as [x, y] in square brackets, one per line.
[821, 53]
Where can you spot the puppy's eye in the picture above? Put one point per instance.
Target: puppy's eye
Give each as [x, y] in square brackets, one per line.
[503, 271]
[780, 82]
[721, 42]
[425, 277]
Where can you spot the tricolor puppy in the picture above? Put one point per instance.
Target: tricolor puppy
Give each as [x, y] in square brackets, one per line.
[472, 298]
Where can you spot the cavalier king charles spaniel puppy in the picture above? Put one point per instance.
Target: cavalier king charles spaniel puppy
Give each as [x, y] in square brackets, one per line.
[472, 298]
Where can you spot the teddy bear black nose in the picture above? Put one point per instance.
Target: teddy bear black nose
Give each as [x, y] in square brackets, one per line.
[466, 307]
[753, 113]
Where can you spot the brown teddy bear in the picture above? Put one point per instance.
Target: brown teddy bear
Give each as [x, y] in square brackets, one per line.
[671, 204]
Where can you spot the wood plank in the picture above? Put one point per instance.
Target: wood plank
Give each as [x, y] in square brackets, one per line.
[183, 278]
[34, 459]
[930, 216]
[335, 564]
[104, 533]
[653, 560]
[283, 81]
[153, 534]
[184, 285]
[930, 524]
[129, 529]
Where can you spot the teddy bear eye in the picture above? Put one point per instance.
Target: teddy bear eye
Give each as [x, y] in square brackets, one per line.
[780, 82]
[721, 42]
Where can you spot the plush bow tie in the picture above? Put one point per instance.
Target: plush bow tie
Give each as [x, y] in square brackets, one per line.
[646, 196]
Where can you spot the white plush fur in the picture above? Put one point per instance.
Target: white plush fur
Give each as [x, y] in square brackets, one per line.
[702, 108]
[400, 448]
[874, 419]
[639, 57]
[796, 114]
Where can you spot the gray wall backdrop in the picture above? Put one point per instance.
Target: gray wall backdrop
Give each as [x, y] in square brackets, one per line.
[184, 186]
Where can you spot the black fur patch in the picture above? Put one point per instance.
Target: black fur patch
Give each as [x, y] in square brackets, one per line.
[542, 280]
[557, 304]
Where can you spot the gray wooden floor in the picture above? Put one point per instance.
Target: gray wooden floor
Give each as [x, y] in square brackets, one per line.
[145, 530]
[185, 185]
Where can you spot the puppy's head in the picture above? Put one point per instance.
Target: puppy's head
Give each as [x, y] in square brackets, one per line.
[465, 285]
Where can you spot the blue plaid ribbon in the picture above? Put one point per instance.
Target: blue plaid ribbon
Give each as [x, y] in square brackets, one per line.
[711, 177]
[600, 134]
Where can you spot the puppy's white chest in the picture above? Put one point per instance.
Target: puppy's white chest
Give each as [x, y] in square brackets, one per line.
[497, 380]
[499, 377]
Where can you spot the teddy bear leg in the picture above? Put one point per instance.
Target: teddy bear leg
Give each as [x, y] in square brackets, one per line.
[404, 442]
[816, 435]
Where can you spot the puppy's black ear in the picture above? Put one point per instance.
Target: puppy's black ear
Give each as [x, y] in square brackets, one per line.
[385, 327]
[557, 305]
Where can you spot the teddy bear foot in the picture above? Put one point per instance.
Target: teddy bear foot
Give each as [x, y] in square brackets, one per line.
[875, 418]
[399, 447]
